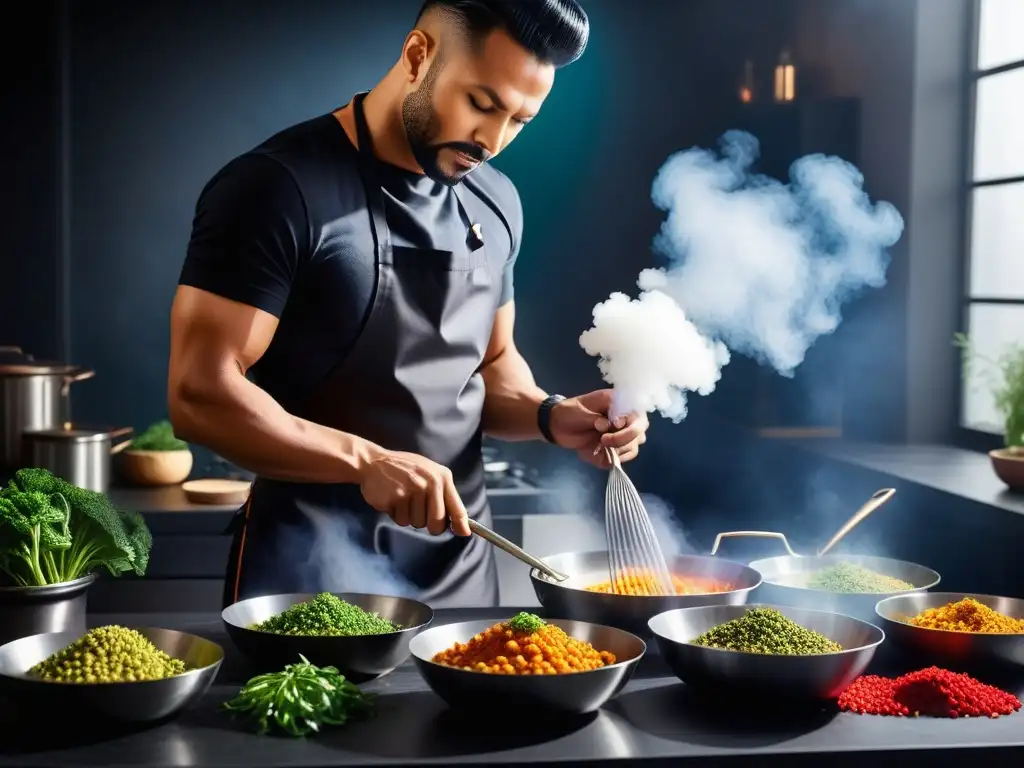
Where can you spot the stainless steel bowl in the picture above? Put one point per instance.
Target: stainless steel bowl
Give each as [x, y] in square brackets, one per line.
[140, 702]
[571, 600]
[785, 582]
[360, 657]
[575, 693]
[819, 677]
[969, 648]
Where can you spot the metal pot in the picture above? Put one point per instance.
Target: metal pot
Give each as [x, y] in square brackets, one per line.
[78, 454]
[34, 396]
[26, 611]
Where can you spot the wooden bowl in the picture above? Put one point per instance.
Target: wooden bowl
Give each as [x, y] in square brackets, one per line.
[156, 467]
[216, 491]
[1009, 467]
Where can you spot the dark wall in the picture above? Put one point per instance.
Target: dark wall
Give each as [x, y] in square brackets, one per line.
[161, 94]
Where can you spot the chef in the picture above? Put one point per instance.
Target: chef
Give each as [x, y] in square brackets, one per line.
[343, 325]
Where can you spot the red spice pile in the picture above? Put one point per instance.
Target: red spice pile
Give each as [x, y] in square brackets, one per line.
[932, 692]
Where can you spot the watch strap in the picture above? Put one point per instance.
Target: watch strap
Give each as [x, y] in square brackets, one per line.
[544, 416]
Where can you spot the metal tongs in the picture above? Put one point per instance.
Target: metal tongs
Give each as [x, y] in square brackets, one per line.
[878, 498]
[517, 552]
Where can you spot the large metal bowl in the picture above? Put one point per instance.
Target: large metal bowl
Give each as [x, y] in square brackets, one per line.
[140, 702]
[571, 600]
[785, 579]
[359, 657]
[967, 648]
[575, 693]
[820, 677]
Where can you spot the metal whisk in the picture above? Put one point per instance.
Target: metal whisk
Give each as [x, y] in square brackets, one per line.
[635, 559]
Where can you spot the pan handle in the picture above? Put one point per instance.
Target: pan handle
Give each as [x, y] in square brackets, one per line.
[752, 535]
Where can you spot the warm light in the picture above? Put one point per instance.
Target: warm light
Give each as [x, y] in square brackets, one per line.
[785, 79]
[747, 89]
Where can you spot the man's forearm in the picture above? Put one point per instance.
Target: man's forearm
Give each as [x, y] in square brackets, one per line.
[239, 421]
[512, 398]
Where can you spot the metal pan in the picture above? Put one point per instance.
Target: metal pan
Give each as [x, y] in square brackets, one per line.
[575, 693]
[820, 677]
[785, 578]
[570, 599]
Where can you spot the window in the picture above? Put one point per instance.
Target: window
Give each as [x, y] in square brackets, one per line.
[994, 311]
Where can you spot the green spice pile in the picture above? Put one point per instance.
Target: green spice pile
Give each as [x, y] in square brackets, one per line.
[109, 655]
[326, 615]
[848, 578]
[765, 630]
[301, 699]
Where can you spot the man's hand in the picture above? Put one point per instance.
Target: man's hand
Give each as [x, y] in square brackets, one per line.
[413, 490]
[581, 424]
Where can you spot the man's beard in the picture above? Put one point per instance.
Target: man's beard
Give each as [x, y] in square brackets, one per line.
[421, 128]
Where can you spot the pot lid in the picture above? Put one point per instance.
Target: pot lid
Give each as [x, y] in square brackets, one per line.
[75, 433]
[14, 362]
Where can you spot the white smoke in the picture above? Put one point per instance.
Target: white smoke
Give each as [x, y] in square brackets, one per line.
[573, 491]
[755, 266]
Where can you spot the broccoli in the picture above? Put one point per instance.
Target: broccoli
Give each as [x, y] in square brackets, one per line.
[158, 437]
[52, 531]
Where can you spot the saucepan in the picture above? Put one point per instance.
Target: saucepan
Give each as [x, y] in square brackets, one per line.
[81, 455]
[813, 581]
[569, 585]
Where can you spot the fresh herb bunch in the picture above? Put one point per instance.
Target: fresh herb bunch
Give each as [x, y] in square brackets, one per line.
[326, 615]
[1005, 378]
[158, 437]
[52, 532]
[300, 699]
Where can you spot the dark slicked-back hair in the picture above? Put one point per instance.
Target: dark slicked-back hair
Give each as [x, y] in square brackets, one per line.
[555, 31]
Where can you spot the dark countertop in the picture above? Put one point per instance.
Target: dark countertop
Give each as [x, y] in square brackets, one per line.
[653, 721]
[945, 468]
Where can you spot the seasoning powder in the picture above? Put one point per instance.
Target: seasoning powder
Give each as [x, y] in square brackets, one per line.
[849, 578]
[932, 692]
[968, 615]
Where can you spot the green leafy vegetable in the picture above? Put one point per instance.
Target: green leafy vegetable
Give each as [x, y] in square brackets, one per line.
[52, 531]
[525, 622]
[300, 699]
[158, 437]
[326, 614]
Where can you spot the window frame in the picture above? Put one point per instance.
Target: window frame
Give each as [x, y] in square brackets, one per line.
[968, 437]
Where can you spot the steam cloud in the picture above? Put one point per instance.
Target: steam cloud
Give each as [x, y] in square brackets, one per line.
[575, 492]
[755, 266]
[337, 563]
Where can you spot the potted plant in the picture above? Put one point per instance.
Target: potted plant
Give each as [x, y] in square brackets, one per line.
[1005, 378]
[54, 538]
[156, 457]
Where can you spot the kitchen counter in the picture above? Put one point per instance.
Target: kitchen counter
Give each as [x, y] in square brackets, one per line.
[654, 721]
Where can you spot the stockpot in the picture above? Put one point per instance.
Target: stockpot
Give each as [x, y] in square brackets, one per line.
[34, 397]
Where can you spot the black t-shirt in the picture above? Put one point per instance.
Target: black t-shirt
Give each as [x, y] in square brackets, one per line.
[285, 228]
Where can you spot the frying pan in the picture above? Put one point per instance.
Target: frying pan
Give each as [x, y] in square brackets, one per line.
[785, 578]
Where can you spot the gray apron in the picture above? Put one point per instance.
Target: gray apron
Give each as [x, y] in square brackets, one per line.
[410, 383]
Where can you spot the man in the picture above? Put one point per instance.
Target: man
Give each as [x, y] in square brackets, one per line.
[343, 325]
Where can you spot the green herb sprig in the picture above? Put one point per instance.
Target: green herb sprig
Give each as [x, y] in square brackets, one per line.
[525, 622]
[300, 699]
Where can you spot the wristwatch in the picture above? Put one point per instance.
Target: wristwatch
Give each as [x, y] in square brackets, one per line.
[544, 416]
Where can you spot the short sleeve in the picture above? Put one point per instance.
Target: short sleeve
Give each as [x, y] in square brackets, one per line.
[250, 234]
[515, 221]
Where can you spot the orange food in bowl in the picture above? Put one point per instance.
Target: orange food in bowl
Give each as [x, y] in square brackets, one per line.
[639, 583]
[524, 646]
